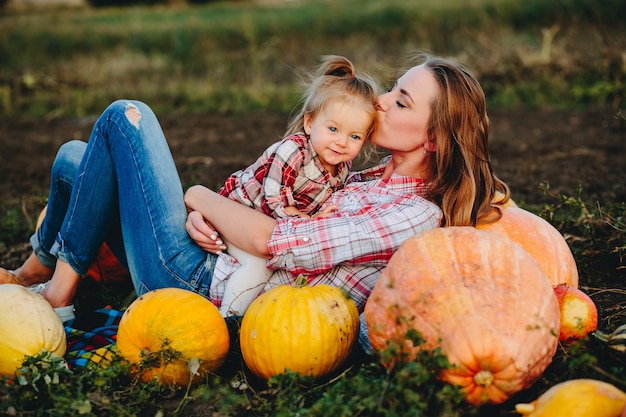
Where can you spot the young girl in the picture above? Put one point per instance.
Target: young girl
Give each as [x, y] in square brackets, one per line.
[294, 176]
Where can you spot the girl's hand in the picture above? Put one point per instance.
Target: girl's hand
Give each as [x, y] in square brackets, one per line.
[203, 233]
[326, 211]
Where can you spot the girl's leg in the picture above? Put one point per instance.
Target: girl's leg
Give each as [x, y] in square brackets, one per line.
[127, 186]
[245, 284]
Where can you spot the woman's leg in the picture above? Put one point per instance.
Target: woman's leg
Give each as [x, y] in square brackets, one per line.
[40, 264]
[127, 186]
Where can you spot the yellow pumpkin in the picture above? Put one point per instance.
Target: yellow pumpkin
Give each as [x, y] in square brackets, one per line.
[176, 330]
[310, 330]
[478, 296]
[577, 398]
[28, 325]
[542, 240]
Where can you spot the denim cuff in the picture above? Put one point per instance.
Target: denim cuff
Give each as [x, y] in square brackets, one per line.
[45, 257]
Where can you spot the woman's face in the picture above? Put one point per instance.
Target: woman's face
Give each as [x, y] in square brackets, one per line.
[404, 113]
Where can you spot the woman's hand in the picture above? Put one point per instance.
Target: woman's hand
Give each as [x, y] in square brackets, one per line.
[244, 227]
[292, 211]
[203, 233]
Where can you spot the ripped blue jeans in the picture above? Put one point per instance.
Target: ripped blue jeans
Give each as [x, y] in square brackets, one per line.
[122, 188]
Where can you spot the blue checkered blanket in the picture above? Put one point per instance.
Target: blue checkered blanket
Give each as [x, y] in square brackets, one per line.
[90, 336]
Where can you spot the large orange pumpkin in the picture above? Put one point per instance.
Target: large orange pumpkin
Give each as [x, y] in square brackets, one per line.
[177, 321]
[499, 195]
[28, 326]
[310, 330]
[542, 240]
[477, 295]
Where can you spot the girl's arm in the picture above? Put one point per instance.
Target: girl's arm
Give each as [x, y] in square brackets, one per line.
[283, 166]
[245, 227]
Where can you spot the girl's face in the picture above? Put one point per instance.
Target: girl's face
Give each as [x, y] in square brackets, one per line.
[404, 112]
[338, 132]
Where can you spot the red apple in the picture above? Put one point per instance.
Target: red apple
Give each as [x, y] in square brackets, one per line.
[579, 314]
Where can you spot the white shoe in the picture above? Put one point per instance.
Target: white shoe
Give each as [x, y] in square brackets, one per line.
[65, 313]
[38, 288]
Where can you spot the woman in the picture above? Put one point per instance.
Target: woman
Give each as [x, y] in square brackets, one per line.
[124, 183]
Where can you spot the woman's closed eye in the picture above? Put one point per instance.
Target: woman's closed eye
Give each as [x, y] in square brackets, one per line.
[399, 104]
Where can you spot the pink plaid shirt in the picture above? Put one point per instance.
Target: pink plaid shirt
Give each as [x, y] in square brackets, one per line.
[350, 248]
[288, 173]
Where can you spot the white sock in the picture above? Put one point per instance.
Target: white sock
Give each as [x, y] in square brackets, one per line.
[65, 313]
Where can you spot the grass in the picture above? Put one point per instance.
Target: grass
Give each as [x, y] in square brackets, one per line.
[241, 56]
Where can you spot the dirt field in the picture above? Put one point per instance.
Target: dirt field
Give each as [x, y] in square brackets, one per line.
[563, 148]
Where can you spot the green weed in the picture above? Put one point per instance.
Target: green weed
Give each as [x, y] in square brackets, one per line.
[595, 233]
[46, 386]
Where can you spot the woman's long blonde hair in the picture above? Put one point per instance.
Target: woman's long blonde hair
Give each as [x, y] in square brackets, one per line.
[464, 183]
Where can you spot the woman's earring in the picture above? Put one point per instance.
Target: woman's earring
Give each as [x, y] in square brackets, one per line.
[425, 151]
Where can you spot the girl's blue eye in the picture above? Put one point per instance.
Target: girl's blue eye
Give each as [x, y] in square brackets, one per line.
[332, 129]
[355, 137]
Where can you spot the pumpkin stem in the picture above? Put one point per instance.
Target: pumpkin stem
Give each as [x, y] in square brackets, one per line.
[483, 378]
[524, 408]
[301, 281]
[603, 337]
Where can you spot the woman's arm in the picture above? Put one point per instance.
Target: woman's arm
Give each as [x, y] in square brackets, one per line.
[245, 227]
[368, 237]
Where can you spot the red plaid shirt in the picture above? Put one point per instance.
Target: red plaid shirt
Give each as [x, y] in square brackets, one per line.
[288, 173]
[350, 248]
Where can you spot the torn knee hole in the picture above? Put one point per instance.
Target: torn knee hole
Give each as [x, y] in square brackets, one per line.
[133, 115]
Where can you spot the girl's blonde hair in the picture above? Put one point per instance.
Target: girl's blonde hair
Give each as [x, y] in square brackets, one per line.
[335, 79]
[464, 183]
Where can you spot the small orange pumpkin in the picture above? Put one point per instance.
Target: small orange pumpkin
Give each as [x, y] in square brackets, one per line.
[542, 240]
[310, 330]
[175, 320]
[107, 269]
[579, 314]
[477, 295]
